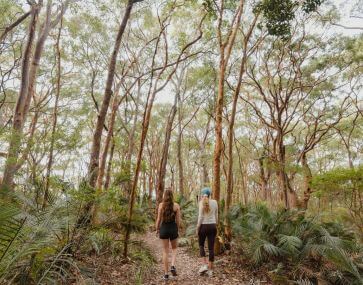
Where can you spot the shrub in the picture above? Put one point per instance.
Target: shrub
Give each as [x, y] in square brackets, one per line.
[296, 245]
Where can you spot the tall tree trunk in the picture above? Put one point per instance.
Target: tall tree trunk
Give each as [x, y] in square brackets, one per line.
[27, 94]
[203, 145]
[228, 230]
[115, 104]
[109, 166]
[281, 170]
[146, 119]
[263, 180]
[30, 141]
[225, 49]
[55, 117]
[85, 216]
[150, 194]
[130, 150]
[96, 142]
[145, 127]
[165, 152]
[243, 174]
[218, 132]
[179, 148]
[19, 116]
[307, 181]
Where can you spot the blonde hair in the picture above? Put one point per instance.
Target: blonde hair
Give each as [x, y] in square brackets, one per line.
[206, 207]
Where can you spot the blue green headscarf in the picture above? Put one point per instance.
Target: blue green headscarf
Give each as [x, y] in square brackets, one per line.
[206, 191]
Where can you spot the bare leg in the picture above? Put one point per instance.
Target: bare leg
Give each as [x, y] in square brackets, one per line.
[174, 245]
[165, 243]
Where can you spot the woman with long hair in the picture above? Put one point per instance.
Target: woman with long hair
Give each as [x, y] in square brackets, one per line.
[207, 229]
[167, 224]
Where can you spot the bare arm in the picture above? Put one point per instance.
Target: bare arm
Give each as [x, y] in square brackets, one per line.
[158, 220]
[200, 213]
[178, 216]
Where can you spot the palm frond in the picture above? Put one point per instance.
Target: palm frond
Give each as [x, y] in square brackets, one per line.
[290, 244]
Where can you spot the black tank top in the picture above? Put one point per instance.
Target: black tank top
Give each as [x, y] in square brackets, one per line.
[172, 220]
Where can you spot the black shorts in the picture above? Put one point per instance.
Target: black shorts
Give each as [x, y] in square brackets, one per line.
[168, 231]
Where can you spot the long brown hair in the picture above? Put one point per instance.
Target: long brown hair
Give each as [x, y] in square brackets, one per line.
[168, 214]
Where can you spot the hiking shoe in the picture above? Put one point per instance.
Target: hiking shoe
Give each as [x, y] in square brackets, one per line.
[210, 273]
[166, 277]
[173, 271]
[203, 269]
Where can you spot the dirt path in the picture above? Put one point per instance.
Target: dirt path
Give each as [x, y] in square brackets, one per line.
[188, 266]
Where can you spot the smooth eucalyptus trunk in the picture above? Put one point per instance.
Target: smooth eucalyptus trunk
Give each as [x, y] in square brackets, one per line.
[130, 150]
[93, 168]
[55, 119]
[307, 181]
[110, 133]
[179, 149]
[109, 166]
[19, 115]
[165, 152]
[96, 141]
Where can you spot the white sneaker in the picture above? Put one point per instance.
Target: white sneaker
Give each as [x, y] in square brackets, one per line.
[210, 273]
[203, 269]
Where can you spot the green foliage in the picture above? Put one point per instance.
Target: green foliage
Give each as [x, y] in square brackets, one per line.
[291, 242]
[37, 246]
[309, 6]
[102, 240]
[279, 14]
[10, 227]
[339, 181]
[8, 8]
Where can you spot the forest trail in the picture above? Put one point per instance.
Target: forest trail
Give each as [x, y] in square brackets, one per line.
[187, 267]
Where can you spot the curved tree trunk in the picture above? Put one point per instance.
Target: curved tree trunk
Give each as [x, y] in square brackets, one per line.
[93, 167]
[115, 104]
[28, 83]
[96, 142]
[19, 115]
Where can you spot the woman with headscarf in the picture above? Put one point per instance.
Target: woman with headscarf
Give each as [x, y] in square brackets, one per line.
[207, 229]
